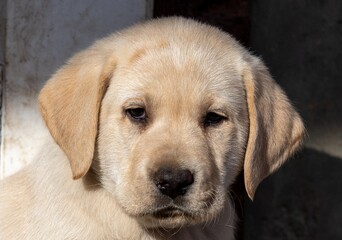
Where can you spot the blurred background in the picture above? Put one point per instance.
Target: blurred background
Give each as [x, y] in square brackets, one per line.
[299, 40]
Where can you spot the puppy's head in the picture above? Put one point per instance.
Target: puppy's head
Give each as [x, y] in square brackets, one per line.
[175, 109]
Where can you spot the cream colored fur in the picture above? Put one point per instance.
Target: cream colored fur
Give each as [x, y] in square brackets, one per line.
[92, 179]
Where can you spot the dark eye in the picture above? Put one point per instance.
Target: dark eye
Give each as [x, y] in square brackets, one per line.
[138, 114]
[213, 118]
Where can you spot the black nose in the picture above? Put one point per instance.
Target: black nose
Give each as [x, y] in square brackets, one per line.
[173, 182]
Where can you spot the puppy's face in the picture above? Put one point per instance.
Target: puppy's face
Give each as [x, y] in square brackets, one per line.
[173, 128]
[171, 109]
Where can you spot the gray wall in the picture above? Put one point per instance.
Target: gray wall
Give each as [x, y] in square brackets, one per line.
[301, 42]
[2, 47]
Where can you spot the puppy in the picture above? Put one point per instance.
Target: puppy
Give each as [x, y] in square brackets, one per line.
[149, 127]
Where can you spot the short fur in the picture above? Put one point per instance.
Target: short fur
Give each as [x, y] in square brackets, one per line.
[92, 179]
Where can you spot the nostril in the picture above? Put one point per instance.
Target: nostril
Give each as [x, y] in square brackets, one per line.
[185, 178]
[173, 182]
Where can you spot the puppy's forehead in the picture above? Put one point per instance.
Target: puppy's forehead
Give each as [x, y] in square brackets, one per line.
[182, 70]
[178, 61]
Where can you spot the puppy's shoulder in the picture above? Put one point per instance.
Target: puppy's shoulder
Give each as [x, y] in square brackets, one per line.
[15, 197]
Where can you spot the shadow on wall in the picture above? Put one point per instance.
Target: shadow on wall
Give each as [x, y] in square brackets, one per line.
[303, 200]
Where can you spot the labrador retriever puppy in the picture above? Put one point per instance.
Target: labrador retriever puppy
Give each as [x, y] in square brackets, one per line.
[149, 128]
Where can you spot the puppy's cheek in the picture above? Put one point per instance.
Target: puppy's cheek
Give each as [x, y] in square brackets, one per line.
[112, 151]
[134, 190]
[119, 174]
[228, 154]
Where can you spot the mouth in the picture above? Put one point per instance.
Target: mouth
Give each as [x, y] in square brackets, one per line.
[170, 212]
[167, 217]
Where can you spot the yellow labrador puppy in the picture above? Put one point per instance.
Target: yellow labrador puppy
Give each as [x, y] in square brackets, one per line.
[149, 128]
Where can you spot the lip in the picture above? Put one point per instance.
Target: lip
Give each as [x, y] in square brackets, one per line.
[170, 212]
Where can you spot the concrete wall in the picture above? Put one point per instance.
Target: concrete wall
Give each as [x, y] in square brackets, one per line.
[301, 42]
[39, 37]
[2, 50]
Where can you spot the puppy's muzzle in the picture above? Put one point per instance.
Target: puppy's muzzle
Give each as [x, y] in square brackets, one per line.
[173, 182]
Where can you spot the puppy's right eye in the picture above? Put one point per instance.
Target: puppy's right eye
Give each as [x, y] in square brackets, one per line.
[137, 114]
[212, 119]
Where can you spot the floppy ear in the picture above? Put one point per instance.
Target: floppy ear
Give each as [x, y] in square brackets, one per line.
[70, 104]
[275, 128]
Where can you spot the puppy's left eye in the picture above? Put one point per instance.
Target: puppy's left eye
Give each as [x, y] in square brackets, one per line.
[213, 119]
[137, 114]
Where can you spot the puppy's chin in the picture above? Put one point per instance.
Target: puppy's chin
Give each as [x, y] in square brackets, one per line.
[173, 216]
